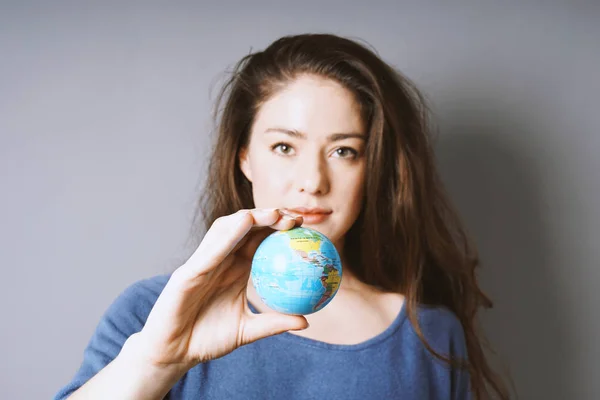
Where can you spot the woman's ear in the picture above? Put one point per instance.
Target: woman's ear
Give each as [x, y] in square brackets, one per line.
[245, 163]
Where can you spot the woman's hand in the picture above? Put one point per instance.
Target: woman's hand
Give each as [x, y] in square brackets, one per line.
[202, 313]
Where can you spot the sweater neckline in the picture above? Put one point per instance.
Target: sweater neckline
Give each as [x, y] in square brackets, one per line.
[375, 340]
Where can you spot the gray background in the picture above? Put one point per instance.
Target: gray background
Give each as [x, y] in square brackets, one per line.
[104, 115]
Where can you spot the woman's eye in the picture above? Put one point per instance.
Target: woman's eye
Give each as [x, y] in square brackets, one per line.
[342, 152]
[282, 148]
[346, 152]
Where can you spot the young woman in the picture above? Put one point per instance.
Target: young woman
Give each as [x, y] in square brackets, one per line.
[315, 130]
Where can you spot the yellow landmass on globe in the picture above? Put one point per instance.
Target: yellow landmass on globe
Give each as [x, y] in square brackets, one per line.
[333, 279]
[305, 245]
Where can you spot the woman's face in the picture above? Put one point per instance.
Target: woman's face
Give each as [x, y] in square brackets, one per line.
[306, 155]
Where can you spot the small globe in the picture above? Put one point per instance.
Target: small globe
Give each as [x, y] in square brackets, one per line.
[296, 271]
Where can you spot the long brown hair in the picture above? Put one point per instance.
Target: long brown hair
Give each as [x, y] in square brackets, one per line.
[408, 238]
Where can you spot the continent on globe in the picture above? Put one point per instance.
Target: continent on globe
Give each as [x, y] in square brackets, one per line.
[296, 271]
[331, 281]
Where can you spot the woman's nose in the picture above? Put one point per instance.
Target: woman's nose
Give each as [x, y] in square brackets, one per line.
[312, 176]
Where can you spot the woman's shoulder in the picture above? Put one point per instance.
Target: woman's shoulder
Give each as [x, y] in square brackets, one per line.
[147, 288]
[128, 312]
[139, 297]
[439, 317]
[441, 328]
[126, 315]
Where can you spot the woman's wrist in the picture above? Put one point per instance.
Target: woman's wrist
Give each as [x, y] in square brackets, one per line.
[136, 355]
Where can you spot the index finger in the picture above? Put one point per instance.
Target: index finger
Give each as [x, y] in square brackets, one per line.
[227, 232]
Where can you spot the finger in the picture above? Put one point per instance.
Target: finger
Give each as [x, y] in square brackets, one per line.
[284, 222]
[287, 221]
[247, 247]
[271, 323]
[258, 233]
[226, 232]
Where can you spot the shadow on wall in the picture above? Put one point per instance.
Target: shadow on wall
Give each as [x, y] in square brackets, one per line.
[495, 185]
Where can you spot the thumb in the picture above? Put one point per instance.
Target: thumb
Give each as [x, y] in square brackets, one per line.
[271, 323]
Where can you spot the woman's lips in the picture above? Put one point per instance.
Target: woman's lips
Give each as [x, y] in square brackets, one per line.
[314, 218]
[311, 215]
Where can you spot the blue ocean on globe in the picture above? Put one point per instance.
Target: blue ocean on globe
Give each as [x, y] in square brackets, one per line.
[297, 271]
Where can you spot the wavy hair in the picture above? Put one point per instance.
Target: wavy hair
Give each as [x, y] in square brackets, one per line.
[408, 238]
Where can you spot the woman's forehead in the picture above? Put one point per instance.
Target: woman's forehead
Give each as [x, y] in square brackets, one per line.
[312, 105]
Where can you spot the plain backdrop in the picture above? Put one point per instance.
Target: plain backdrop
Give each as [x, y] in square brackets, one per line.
[104, 130]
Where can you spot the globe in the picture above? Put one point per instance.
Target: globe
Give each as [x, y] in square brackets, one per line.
[297, 271]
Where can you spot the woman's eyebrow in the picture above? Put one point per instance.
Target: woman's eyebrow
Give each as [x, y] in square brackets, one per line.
[332, 138]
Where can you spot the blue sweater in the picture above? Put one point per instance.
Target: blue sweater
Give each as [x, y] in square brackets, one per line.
[392, 365]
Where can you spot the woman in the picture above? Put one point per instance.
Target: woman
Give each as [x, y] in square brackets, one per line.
[317, 131]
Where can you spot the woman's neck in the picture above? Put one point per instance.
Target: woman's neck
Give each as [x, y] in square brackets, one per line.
[357, 312]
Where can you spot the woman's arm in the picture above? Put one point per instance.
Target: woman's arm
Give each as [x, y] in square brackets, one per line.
[130, 376]
[200, 315]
